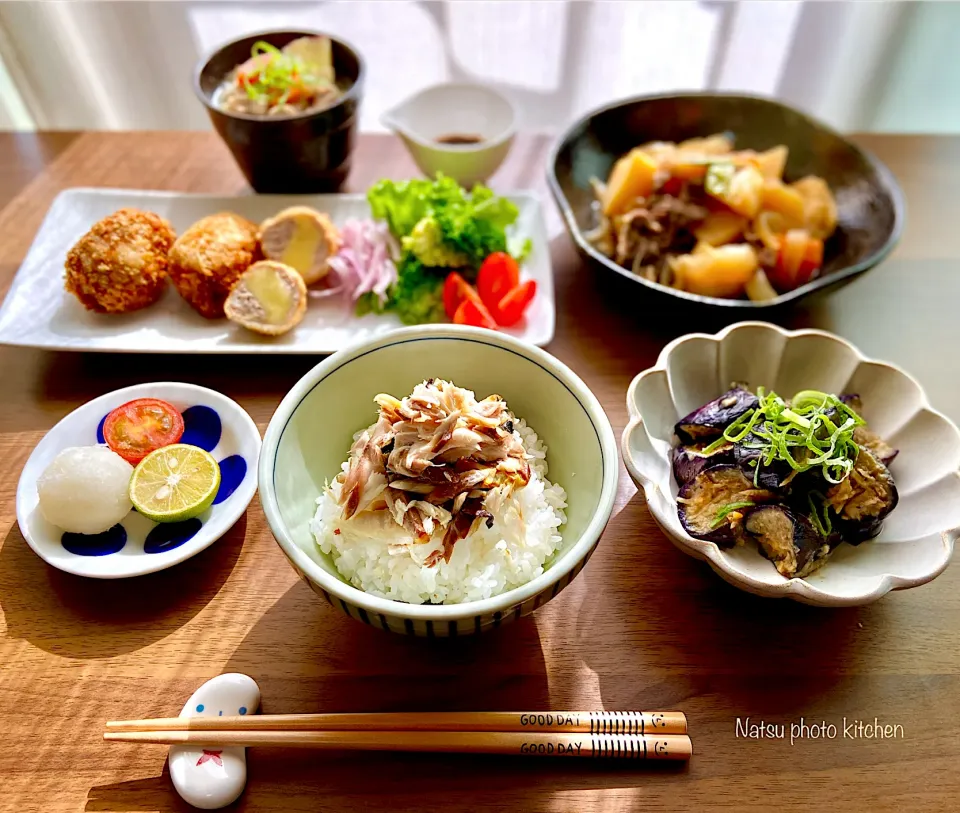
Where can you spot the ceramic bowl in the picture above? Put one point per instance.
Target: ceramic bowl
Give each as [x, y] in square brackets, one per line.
[455, 109]
[918, 537]
[870, 205]
[287, 154]
[311, 433]
[137, 546]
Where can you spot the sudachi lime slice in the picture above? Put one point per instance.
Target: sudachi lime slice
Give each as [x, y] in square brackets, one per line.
[174, 483]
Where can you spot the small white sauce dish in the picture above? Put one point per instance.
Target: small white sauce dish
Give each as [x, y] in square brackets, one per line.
[917, 539]
[137, 545]
[455, 109]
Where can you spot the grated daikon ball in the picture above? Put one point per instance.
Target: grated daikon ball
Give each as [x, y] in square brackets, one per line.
[85, 490]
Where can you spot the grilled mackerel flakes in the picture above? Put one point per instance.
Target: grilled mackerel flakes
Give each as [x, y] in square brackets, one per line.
[436, 459]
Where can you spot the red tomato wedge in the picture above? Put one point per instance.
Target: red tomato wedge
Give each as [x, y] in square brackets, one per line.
[455, 290]
[498, 275]
[514, 304]
[136, 428]
[474, 313]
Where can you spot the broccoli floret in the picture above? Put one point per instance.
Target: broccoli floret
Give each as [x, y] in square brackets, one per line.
[426, 243]
[417, 295]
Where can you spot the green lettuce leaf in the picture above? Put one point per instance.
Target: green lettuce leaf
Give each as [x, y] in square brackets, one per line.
[471, 225]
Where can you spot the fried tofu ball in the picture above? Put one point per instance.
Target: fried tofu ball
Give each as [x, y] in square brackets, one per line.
[209, 257]
[120, 265]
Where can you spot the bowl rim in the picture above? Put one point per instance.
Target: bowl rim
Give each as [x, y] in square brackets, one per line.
[887, 178]
[446, 612]
[352, 94]
[798, 589]
[210, 533]
[508, 133]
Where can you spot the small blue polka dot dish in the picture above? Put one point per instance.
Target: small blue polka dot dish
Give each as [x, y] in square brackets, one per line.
[136, 546]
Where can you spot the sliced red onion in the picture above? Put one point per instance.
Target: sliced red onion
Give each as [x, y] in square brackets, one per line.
[364, 264]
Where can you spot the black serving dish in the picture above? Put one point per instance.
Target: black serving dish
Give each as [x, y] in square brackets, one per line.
[870, 205]
[293, 154]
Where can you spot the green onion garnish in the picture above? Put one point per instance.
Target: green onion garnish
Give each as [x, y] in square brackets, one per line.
[813, 429]
[718, 178]
[728, 509]
[820, 514]
[279, 75]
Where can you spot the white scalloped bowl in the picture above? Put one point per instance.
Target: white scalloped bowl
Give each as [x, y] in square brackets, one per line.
[917, 539]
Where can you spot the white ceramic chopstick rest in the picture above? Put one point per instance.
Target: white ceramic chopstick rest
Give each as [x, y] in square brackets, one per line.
[211, 778]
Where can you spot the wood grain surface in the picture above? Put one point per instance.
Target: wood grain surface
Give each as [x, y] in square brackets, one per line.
[644, 626]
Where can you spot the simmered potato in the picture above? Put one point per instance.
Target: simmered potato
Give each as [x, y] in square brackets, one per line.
[631, 178]
[744, 192]
[820, 209]
[771, 163]
[720, 227]
[720, 272]
[786, 200]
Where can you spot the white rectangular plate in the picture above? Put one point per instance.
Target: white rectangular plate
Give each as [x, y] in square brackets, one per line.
[38, 312]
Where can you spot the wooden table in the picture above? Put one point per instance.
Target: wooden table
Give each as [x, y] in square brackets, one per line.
[643, 626]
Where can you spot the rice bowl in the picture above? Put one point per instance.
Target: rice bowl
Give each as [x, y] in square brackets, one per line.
[310, 433]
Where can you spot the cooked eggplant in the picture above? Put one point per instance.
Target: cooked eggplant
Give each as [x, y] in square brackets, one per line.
[865, 436]
[792, 507]
[689, 461]
[862, 500]
[883, 451]
[711, 419]
[787, 539]
[709, 505]
[773, 477]
[852, 400]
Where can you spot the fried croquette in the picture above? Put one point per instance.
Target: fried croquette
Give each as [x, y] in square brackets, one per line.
[302, 238]
[120, 265]
[269, 298]
[209, 257]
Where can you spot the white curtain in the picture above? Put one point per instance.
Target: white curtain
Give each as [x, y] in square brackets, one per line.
[129, 65]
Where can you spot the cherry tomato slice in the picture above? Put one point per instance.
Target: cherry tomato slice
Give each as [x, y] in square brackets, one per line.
[475, 314]
[136, 428]
[514, 304]
[498, 274]
[455, 290]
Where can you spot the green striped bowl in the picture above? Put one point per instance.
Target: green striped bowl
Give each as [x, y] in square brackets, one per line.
[310, 435]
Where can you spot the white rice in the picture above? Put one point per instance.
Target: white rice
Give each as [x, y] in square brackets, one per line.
[525, 533]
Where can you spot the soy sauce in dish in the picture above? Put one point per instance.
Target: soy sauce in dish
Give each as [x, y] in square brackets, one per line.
[459, 139]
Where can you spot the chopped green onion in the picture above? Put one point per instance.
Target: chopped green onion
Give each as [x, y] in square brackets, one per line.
[712, 447]
[820, 516]
[793, 417]
[728, 509]
[262, 47]
[742, 426]
[806, 398]
[718, 178]
[813, 430]
[277, 76]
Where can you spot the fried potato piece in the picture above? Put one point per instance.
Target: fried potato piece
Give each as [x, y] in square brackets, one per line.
[209, 257]
[120, 265]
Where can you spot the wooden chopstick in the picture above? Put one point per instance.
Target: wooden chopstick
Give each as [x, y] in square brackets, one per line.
[591, 722]
[584, 744]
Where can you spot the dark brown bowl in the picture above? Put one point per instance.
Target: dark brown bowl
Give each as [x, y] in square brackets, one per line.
[294, 154]
[870, 205]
